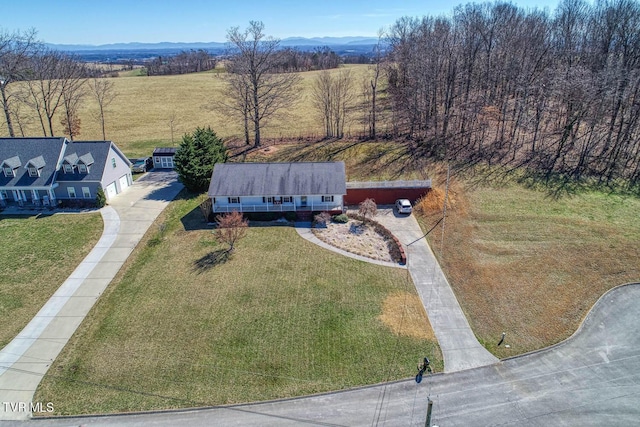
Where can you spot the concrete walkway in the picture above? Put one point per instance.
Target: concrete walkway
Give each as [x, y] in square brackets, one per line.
[460, 348]
[25, 360]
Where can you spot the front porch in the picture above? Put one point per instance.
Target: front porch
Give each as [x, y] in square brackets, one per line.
[36, 199]
[281, 207]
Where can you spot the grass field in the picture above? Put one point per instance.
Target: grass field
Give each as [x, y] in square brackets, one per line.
[281, 318]
[36, 256]
[523, 263]
[139, 117]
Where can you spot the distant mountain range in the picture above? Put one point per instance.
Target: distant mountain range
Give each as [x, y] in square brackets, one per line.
[288, 42]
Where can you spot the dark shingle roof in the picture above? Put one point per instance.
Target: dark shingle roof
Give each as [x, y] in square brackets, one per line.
[278, 179]
[98, 151]
[49, 149]
[165, 151]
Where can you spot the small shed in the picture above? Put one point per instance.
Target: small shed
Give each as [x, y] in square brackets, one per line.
[385, 192]
[163, 157]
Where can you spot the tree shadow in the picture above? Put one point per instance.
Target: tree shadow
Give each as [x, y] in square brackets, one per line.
[210, 260]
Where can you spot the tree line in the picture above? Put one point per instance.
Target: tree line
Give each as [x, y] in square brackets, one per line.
[56, 83]
[193, 61]
[556, 93]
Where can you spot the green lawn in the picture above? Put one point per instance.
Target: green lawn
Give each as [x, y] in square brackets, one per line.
[37, 255]
[283, 317]
[532, 266]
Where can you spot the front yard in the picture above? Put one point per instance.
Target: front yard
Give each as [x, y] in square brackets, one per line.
[37, 255]
[283, 317]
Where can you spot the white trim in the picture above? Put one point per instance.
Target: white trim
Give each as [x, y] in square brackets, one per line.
[71, 190]
[86, 194]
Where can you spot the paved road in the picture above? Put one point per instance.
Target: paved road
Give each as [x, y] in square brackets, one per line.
[590, 379]
[25, 360]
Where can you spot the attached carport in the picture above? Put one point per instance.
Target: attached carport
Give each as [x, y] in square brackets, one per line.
[386, 192]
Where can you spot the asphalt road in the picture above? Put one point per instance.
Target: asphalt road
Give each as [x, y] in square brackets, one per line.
[590, 379]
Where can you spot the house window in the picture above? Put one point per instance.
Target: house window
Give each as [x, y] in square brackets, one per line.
[267, 200]
[33, 171]
[327, 199]
[68, 168]
[86, 193]
[8, 171]
[113, 162]
[287, 199]
[157, 160]
[3, 195]
[82, 168]
[234, 199]
[72, 192]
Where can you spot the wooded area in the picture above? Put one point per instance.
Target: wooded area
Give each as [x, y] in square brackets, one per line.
[494, 83]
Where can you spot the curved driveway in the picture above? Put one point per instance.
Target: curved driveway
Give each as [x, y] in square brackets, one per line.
[590, 379]
[25, 360]
[460, 348]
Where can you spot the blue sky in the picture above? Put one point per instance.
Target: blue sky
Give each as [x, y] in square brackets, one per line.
[117, 21]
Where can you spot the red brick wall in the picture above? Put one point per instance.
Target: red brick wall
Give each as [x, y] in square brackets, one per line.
[383, 196]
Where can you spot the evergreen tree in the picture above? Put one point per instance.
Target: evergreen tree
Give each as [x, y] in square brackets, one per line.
[196, 156]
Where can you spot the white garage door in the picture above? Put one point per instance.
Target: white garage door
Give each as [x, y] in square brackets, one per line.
[124, 182]
[111, 190]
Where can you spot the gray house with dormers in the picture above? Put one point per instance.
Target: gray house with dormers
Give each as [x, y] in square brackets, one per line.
[42, 171]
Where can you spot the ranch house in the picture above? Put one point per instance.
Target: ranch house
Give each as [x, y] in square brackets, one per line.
[278, 187]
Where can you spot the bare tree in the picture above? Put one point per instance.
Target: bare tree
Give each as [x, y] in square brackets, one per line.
[16, 50]
[368, 209]
[334, 97]
[56, 80]
[231, 227]
[102, 91]
[255, 60]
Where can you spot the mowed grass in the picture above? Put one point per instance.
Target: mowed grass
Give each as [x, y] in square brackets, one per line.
[37, 255]
[523, 263]
[140, 116]
[282, 317]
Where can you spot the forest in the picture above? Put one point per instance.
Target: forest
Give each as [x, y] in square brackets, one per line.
[554, 93]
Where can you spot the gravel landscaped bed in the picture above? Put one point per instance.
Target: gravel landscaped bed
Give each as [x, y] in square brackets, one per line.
[366, 240]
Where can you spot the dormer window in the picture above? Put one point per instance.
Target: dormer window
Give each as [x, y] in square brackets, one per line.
[68, 168]
[82, 168]
[33, 172]
[8, 172]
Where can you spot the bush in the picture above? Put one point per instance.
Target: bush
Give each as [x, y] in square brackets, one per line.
[322, 218]
[101, 199]
[341, 219]
[290, 216]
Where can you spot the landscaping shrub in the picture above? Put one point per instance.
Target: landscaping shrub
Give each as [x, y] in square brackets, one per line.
[321, 219]
[341, 219]
[101, 199]
[290, 216]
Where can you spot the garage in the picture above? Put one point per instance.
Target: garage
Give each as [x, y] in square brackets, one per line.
[124, 182]
[111, 190]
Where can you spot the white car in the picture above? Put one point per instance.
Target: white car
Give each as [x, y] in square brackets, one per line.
[403, 206]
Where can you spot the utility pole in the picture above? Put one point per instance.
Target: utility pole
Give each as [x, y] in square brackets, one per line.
[427, 423]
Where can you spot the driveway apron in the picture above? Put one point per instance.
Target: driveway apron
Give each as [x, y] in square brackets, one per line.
[26, 359]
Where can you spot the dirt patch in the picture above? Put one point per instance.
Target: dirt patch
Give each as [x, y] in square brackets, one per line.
[358, 238]
[404, 314]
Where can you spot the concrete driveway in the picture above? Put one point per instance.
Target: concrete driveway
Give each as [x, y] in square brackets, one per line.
[25, 360]
[590, 379]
